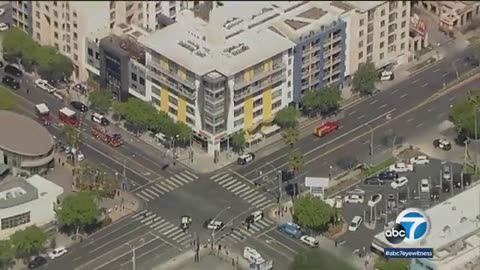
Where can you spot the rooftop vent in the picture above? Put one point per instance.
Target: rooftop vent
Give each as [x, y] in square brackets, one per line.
[187, 46]
[463, 219]
[454, 208]
[446, 229]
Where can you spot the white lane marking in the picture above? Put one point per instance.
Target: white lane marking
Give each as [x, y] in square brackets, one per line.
[445, 74]
[410, 120]
[238, 187]
[436, 70]
[157, 190]
[431, 109]
[383, 106]
[424, 85]
[166, 190]
[361, 116]
[404, 95]
[142, 197]
[414, 81]
[452, 98]
[419, 125]
[191, 174]
[373, 102]
[351, 113]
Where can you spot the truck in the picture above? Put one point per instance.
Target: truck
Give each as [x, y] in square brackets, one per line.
[43, 113]
[325, 128]
[290, 229]
[257, 262]
[68, 116]
[102, 134]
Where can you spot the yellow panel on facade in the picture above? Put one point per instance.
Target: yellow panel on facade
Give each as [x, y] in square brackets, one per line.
[267, 65]
[164, 62]
[246, 75]
[182, 73]
[267, 104]
[248, 113]
[164, 100]
[182, 110]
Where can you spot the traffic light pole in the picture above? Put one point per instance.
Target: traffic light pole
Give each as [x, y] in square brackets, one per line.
[279, 176]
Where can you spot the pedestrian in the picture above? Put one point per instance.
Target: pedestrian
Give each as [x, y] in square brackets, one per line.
[28, 90]
[59, 160]
[336, 244]
[63, 164]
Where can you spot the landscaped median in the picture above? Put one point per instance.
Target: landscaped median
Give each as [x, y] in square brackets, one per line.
[7, 100]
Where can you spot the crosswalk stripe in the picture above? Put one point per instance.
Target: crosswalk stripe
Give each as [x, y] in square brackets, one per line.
[264, 222]
[170, 183]
[245, 232]
[252, 194]
[163, 184]
[227, 184]
[151, 192]
[175, 180]
[191, 174]
[157, 189]
[166, 190]
[217, 176]
[158, 224]
[144, 215]
[163, 226]
[161, 230]
[143, 196]
[256, 197]
[233, 186]
[186, 176]
[140, 213]
[185, 237]
[257, 201]
[178, 178]
[237, 188]
[243, 190]
[177, 236]
[225, 179]
[167, 233]
[260, 205]
[255, 228]
[148, 218]
[236, 237]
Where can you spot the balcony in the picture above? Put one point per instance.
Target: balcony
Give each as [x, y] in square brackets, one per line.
[174, 86]
[253, 89]
[32, 163]
[171, 74]
[332, 51]
[277, 67]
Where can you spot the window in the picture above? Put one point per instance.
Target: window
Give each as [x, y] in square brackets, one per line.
[15, 221]
[402, 36]
[402, 46]
[360, 44]
[258, 102]
[90, 52]
[276, 93]
[37, 14]
[382, 23]
[37, 24]
[258, 113]
[75, 25]
[238, 112]
[55, 35]
[172, 100]
[55, 14]
[38, 35]
[74, 14]
[382, 34]
[156, 101]
[238, 122]
[97, 56]
[381, 56]
[382, 44]
[360, 55]
[155, 90]
[75, 57]
[190, 110]
[404, 24]
[55, 24]
[404, 13]
[142, 81]
[134, 77]
[369, 49]
[362, 22]
[75, 46]
[172, 110]
[360, 34]
[382, 13]
[75, 36]
[369, 59]
[276, 104]
[190, 121]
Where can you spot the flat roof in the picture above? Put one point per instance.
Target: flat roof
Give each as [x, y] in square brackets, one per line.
[453, 220]
[23, 135]
[364, 6]
[15, 191]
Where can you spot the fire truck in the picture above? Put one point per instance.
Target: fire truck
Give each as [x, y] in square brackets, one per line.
[112, 139]
[68, 116]
[43, 113]
[325, 128]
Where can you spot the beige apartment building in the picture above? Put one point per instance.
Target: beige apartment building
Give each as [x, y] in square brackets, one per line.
[453, 14]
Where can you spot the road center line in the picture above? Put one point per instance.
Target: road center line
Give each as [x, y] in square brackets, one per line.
[424, 85]
[383, 106]
[109, 233]
[414, 81]
[361, 116]
[115, 239]
[373, 102]
[445, 74]
[410, 120]
[351, 113]
[436, 70]
[404, 95]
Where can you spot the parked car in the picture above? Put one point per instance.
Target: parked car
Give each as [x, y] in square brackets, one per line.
[446, 175]
[424, 186]
[10, 82]
[374, 200]
[246, 158]
[420, 160]
[435, 194]
[2, 11]
[446, 186]
[57, 252]
[442, 144]
[3, 27]
[44, 85]
[388, 175]
[309, 241]
[467, 180]
[37, 262]
[401, 167]
[391, 201]
[13, 70]
[79, 106]
[400, 182]
[100, 119]
[357, 191]
[354, 198]
[355, 223]
[374, 181]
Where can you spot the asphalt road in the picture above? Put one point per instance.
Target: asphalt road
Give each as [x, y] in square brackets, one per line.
[359, 119]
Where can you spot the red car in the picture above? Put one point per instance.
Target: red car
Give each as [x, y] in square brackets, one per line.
[326, 128]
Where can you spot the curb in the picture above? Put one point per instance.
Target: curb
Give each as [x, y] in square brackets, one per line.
[425, 67]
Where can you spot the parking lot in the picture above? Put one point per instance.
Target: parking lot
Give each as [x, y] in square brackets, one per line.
[401, 198]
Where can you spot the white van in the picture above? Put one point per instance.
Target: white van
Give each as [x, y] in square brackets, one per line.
[309, 241]
[252, 255]
[161, 138]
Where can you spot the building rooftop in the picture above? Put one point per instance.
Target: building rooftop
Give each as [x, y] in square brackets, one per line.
[364, 6]
[15, 191]
[23, 135]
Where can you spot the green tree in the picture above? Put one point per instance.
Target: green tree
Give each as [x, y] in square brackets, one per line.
[101, 100]
[29, 241]
[7, 254]
[324, 100]
[287, 117]
[239, 142]
[313, 213]
[474, 49]
[16, 42]
[71, 134]
[7, 100]
[290, 136]
[52, 65]
[392, 264]
[462, 114]
[364, 79]
[78, 210]
[296, 161]
[319, 259]
[98, 182]
[184, 133]
[136, 112]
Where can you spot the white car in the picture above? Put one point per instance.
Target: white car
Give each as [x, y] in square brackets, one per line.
[45, 86]
[215, 225]
[401, 167]
[425, 186]
[420, 160]
[354, 198]
[3, 27]
[447, 176]
[400, 182]
[2, 11]
[58, 252]
[357, 191]
[309, 241]
[374, 200]
[355, 224]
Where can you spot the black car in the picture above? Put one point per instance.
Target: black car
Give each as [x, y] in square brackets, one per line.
[79, 106]
[446, 186]
[374, 181]
[10, 82]
[37, 262]
[388, 175]
[467, 180]
[435, 195]
[13, 70]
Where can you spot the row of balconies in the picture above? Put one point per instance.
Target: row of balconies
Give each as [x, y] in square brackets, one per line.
[174, 86]
[277, 67]
[254, 89]
[327, 74]
[171, 74]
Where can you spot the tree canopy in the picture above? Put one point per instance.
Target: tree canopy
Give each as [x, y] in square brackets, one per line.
[291, 136]
[319, 259]
[323, 100]
[364, 79]
[392, 264]
[101, 100]
[287, 117]
[78, 210]
[47, 61]
[29, 241]
[239, 142]
[474, 49]
[296, 161]
[96, 181]
[313, 213]
[462, 114]
[7, 254]
[71, 134]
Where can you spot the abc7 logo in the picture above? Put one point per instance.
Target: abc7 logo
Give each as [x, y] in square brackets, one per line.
[411, 226]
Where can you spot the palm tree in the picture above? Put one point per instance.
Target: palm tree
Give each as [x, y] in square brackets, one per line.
[290, 136]
[296, 161]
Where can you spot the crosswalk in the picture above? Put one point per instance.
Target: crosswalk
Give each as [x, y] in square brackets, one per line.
[242, 190]
[164, 228]
[241, 233]
[157, 189]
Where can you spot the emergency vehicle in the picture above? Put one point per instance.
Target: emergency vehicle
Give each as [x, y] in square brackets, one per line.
[102, 134]
[326, 128]
[43, 113]
[68, 116]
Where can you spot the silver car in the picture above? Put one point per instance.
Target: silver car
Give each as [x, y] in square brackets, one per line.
[446, 175]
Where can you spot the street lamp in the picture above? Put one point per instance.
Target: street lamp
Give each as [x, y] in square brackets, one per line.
[330, 168]
[132, 248]
[214, 219]
[371, 139]
[174, 148]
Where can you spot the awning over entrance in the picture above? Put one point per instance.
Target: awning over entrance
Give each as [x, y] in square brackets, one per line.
[269, 130]
[254, 137]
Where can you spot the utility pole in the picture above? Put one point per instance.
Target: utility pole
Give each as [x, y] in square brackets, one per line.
[214, 219]
[371, 139]
[125, 174]
[279, 176]
[191, 148]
